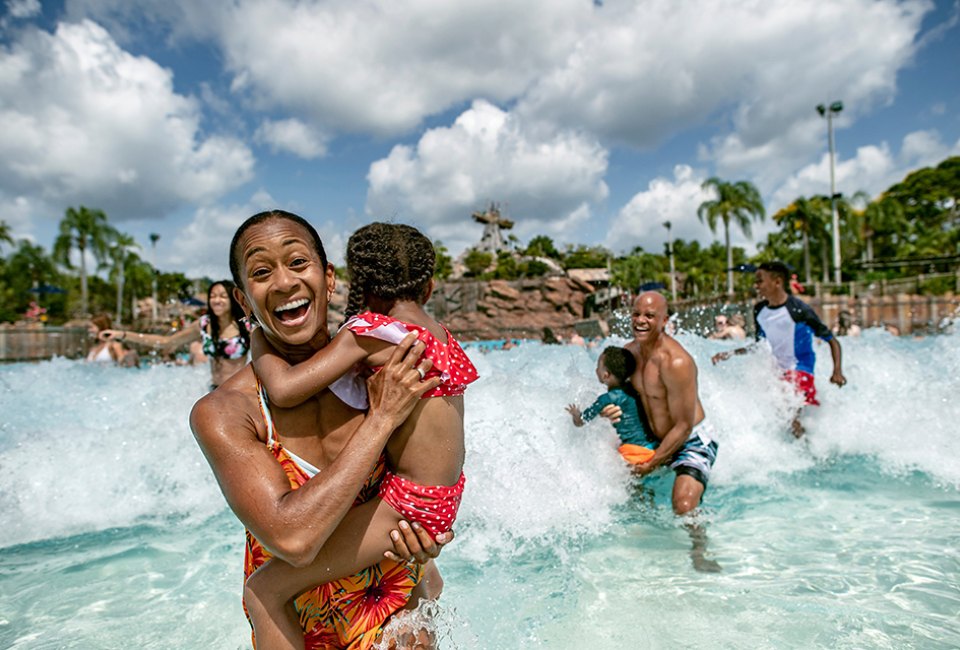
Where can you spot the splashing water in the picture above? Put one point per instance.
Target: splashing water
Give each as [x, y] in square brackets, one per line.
[115, 533]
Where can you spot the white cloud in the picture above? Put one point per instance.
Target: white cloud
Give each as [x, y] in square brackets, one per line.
[202, 247]
[872, 170]
[24, 8]
[292, 136]
[84, 122]
[545, 182]
[641, 221]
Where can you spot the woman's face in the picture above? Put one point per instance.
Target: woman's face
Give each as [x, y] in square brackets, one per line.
[285, 284]
[219, 301]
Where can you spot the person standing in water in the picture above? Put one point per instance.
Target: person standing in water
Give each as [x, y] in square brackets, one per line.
[291, 475]
[222, 335]
[789, 325]
[666, 382]
[390, 267]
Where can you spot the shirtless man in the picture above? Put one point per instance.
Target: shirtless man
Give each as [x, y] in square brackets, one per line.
[666, 382]
[291, 475]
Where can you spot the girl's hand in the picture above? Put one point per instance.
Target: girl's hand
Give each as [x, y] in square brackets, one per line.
[413, 542]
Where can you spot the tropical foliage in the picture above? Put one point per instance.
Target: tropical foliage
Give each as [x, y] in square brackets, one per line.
[913, 227]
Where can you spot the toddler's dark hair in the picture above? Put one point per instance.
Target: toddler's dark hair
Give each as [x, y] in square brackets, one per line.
[389, 261]
[619, 362]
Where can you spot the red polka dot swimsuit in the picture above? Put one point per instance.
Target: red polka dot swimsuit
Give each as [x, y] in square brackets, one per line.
[432, 506]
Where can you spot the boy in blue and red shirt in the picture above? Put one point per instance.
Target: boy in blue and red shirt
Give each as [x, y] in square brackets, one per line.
[789, 325]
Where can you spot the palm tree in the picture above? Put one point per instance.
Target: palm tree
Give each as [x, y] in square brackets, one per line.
[83, 229]
[809, 218]
[739, 201]
[5, 236]
[122, 252]
[884, 215]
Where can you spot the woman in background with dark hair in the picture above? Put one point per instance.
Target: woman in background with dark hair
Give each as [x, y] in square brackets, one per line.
[221, 336]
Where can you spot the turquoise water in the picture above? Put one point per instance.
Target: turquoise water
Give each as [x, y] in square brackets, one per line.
[114, 533]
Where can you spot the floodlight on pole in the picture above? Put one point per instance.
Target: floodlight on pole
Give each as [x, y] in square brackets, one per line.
[673, 275]
[829, 112]
[153, 308]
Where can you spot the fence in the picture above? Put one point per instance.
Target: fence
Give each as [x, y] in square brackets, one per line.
[908, 313]
[35, 344]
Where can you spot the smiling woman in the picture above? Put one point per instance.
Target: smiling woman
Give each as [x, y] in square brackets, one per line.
[292, 474]
[222, 335]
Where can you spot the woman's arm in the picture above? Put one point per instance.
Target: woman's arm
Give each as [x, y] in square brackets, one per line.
[160, 342]
[291, 384]
[294, 524]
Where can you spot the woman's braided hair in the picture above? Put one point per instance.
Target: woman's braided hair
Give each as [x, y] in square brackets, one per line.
[389, 261]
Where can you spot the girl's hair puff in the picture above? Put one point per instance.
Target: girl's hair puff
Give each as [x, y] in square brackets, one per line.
[388, 261]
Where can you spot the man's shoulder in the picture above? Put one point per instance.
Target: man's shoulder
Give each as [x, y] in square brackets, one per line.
[674, 354]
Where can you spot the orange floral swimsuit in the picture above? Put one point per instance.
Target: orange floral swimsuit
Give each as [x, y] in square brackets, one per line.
[349, 613]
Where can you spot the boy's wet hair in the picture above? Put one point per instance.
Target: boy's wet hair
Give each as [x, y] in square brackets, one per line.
[260, 217]
[619, 362]
[780, 270]
[388, 261]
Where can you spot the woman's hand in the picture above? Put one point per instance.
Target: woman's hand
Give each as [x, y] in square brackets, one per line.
[111, 335]
[395, 390]
[413, 542]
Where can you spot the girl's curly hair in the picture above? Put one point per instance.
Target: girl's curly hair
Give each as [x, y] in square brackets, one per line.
[388, 261]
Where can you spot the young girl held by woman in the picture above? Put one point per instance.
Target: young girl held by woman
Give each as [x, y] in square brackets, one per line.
[390, 267]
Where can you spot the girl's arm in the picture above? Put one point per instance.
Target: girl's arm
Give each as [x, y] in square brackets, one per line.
[289, 385]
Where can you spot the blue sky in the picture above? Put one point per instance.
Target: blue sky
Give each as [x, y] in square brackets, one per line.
[588, 122]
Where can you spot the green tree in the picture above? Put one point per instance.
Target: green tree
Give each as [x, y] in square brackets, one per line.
[5, 236]
[444, 264]
[507, 268]
[29, 271]
[586, 257]
[542, 246]
[477, 262]
[122, 253]
[807, 219]
[740, 202]
[82, 229]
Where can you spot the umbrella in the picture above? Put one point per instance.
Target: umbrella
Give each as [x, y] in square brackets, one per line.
[193, 302]
[652, 286]
[46, 288]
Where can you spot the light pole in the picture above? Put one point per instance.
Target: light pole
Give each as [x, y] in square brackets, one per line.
[829, 112]
[673, 278]
[153, 309]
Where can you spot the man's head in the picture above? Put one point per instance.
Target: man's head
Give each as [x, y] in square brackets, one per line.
[773, 281]
[720, 322]
[649, 316]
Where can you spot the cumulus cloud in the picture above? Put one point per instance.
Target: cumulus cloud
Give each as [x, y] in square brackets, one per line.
[545, 182]
[292, 136]
[641, 221]
[873, 169]
[85, 122]
[201, 248]
[382, 67]
[24, 8]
